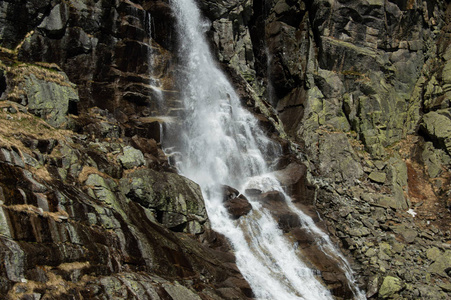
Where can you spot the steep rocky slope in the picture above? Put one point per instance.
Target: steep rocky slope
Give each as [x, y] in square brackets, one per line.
[360, 88]
[90, 208]
[356, 92]
[90, 218]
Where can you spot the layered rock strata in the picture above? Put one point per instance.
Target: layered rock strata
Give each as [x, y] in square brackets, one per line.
[77, 222]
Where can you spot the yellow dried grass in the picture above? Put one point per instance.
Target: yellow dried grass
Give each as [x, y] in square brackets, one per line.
[86, 171]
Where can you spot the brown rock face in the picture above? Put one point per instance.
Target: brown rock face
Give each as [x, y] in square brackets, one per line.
[115, 51]
[238, 206]
[236, 203]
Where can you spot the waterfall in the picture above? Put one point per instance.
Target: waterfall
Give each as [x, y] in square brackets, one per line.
[221, 144]
[154, 83]
[270, 89]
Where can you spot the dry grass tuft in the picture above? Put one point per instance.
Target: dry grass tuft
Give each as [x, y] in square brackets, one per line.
[86, 171]
[68, 267]
[12, 126]
[25, 208]
[58, 216]
[41, 73]
[28, 35]
[42, 173]
[6, 51]
[55, 286]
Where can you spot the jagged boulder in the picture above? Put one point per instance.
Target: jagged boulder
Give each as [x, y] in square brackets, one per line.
[56, 21]
[45, 90]
[442, 264]
[437, 126]
[181, 208]
[131, 158]
[238, 207]
[236, 204]
[50, 100]
[390, 286]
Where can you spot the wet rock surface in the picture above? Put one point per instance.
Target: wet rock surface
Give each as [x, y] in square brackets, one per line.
[238, 206]
[236, 203]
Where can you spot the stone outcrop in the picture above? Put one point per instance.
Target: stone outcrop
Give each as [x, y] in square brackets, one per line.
[176, 201]
[44, 89]
[94, 44]
[236, 204]
[76, 222]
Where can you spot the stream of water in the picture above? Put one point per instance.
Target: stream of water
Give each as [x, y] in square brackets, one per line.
[221, 144]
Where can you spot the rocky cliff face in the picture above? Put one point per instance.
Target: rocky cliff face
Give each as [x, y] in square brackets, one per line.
[359, 86]
[90, 208]
[385, 105]
[356, 92]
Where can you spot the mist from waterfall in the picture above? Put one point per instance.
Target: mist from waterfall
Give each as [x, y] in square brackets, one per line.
[220, 143]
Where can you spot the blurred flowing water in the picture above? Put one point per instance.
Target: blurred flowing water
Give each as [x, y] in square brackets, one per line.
[220, 143]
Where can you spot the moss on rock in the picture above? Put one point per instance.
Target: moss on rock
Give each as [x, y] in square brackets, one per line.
[390, 286]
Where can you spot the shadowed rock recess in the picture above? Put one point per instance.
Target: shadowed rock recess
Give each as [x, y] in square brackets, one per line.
[357, 93]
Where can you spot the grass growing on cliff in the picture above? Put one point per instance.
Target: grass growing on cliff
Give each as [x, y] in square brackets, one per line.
[57, 216]
[11, 54]
[86, 171]
[19, 72]
[361, 77]
[55, 286]
[42, 71]
[19, 124]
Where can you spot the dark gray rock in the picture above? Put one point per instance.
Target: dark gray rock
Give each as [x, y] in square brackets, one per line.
[437, 125]
[56, 21]
[337, 158]
[180, 209]
[131, 158]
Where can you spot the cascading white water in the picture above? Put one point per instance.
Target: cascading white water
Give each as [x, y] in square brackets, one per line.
[154, 83]
[221, 144]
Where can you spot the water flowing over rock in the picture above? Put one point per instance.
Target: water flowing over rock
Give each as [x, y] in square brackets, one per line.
[223, 144]
[69, 228]
[340, 136]
[236, 204]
